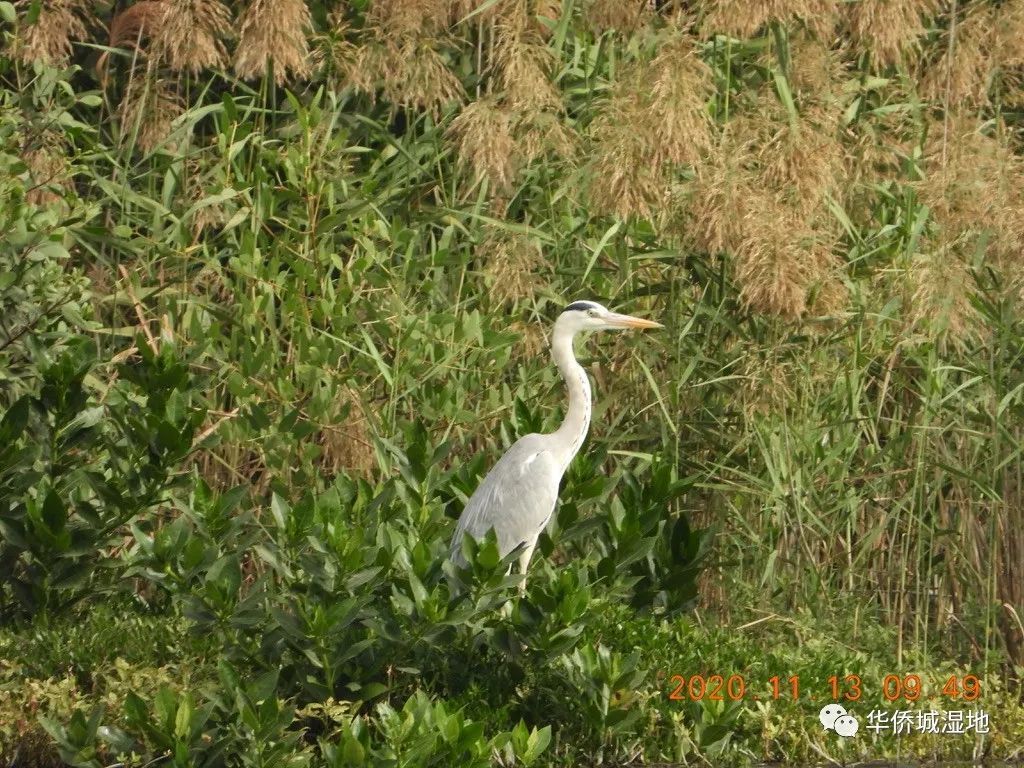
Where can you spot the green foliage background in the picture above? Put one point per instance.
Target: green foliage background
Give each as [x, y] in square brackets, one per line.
[274, 283]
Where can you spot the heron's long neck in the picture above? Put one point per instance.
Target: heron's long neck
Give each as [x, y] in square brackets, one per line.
[577, 419]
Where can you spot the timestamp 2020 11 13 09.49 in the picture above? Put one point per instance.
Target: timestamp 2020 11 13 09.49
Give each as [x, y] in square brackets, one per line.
[838, 687]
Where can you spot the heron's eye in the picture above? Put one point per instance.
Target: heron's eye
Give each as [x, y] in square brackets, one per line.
[592, 312]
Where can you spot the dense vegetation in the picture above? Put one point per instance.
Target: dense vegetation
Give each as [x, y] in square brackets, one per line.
[274, 283]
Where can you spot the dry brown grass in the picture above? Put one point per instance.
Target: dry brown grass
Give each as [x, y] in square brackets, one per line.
[781, 261]
[338, 49]
[538, 134]
[887, 29]
[522, 117]
[707, 214]
[49, 40]
[958, 72]
[469, 10]
[802, 159]
[274, 31]
[129, 29]
[761, 196]
[818, 70]
[1009, 23]
[190, 34]
[400, 59]
[533, 342]
[680, 87]
[623, 180]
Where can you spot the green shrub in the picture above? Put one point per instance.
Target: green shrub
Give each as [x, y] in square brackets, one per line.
[75, 471]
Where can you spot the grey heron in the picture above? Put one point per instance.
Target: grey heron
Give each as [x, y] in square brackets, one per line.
[518, 495]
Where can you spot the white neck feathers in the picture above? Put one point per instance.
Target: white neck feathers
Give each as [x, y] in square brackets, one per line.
[571, 433]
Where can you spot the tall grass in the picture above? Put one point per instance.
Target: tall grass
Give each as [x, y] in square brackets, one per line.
[379, 234]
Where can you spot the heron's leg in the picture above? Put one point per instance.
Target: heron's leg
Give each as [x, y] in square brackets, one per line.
[524, 562]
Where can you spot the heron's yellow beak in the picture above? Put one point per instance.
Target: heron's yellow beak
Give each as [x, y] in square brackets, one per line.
[616, 320]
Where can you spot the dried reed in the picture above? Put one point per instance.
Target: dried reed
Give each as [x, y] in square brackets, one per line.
[410, 17]
[781, 260]
[940, 288]
[346, 444]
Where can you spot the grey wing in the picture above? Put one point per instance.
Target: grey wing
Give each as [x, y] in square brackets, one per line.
[516, 498]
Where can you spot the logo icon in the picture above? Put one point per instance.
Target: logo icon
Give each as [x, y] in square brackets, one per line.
[834, 717]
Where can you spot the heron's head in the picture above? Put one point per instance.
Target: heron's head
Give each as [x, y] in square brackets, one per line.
[591, 316]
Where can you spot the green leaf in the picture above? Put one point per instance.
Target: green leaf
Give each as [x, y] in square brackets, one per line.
[536, 744]
[281, 512]
[55, 515]
[352, 751]
[13, 423]
[183, 719]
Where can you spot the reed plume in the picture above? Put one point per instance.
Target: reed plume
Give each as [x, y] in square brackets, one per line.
[524, 66]
[656, 118]
[135, 23]
[616, 15]
[190, 34]
[888, 29]
[407, 72]
[745, 18]
[149, 107]
[974, 186]
[781, 259]
[801, 158]
[970, 57]
[274, 31]
[484, 145]
[49, 171]
[709, 212]
[399, 58]
[411, 17]
[761, 197]
[49, 39]
[344, 438]
[940, 286]
[513, 263]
